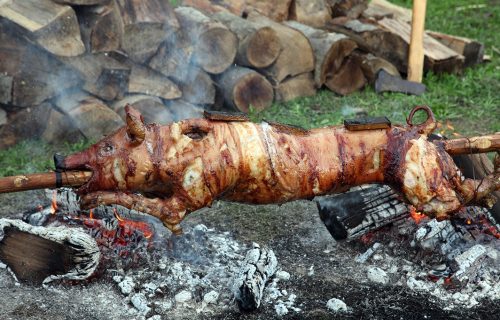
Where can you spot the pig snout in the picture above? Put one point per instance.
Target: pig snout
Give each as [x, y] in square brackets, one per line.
[75, 161]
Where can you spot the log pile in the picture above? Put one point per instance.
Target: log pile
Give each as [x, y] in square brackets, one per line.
[68, 67]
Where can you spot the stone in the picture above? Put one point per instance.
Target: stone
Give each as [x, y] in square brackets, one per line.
[282, 275]
[280, 309]
[3, 117]
[183, 296]
[140, 302]
[336, 305]
[126, 286]
[377, 275]
[211, 297]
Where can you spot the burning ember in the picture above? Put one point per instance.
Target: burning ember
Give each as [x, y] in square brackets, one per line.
[416, 216]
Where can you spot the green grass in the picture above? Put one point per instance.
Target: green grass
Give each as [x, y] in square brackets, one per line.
[34, 156]
[470, 102]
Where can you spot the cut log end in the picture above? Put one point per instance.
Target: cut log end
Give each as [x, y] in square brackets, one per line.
[216, 50]
[253, 90]
[348, 79]
[263, 48]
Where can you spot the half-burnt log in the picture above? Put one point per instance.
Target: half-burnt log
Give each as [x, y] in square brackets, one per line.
[259, 265]
[243, 87]
[214, 45]
[39, 255]
[258, 47]
[52, 26]
[296, 56]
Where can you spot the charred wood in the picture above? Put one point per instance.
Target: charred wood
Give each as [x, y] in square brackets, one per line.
[259, 265]
[39, 255]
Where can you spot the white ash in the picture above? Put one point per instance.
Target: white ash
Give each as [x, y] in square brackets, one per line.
[87, 253]
[362, 258]
[446, 261]
[377, 275]
[140, 302]
[336, 305]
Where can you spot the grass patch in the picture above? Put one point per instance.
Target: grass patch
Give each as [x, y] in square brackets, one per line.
[34, 156]
[470, 102]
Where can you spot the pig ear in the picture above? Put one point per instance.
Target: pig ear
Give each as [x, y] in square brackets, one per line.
[136, 130]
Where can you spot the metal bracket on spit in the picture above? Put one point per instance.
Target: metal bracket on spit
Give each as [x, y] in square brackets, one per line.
[367, 123]
[225, 116]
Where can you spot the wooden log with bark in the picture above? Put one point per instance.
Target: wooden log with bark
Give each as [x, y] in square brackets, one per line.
[295, 87]
[297, 55]
[31, 75]
[379, 9]
[236, 7]
[52, 26]
[101, 26]
[472, 50]
[349, 78]
[314, 13]
[371, 65]
[146, 25]
[258, 47]
[347, 8]
[389, 39]
[243, 87]
[104, 77]
[214, 45]
[330, 51]
[277, 10]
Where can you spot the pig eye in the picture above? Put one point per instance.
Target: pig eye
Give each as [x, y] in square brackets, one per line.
[107, 149]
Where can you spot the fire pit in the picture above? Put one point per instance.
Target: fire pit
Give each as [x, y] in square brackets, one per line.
[445, 269]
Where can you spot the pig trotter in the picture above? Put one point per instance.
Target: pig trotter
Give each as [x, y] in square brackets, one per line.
[168, 211]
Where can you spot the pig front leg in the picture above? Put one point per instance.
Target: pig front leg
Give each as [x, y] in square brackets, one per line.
[169, 211]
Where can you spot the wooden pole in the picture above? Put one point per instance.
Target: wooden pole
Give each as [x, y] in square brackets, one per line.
[416, 54]
[44, 180]
[481, 144]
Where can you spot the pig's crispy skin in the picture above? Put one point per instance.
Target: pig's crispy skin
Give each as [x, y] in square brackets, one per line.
[169, 171]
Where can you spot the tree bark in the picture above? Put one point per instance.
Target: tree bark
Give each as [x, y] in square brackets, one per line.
[242, 88]
[214, 45]
[258, 47]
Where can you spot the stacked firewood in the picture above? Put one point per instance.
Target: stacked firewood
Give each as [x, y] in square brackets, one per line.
[68, 67]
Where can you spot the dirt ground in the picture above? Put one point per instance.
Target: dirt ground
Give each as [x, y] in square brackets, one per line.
[299, 240]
